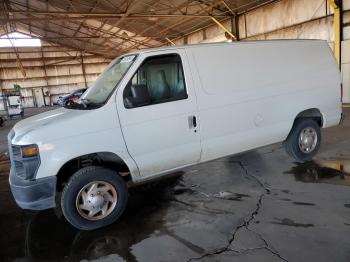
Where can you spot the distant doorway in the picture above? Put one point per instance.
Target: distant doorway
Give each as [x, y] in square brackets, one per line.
[39, 97]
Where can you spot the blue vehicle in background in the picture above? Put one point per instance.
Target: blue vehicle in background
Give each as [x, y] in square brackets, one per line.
[71, 98]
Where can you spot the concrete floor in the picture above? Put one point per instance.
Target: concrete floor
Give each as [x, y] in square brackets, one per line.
[257, 206]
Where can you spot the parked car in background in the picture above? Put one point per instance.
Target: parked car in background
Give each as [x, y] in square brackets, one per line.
[71, 98]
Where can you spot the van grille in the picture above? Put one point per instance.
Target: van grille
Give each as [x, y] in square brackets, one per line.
[10, 146]
[15, 156]
[19, 169]
[24, 168]
[16, 151]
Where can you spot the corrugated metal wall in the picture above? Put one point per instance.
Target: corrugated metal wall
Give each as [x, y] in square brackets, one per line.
[286, 19]
[55, 70]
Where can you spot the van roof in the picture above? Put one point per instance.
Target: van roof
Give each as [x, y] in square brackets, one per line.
[166, 48]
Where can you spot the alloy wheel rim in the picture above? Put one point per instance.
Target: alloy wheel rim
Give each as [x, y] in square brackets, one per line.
[308, 140]
[96, 200]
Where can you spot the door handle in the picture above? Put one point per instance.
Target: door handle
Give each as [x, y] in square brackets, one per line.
[194, 121]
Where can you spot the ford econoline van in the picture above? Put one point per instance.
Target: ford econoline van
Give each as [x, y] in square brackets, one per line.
[156, 111]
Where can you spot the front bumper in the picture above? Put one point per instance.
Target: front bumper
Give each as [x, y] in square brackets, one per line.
[36, 194]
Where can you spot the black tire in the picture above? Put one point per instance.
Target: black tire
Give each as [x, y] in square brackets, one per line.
[292, 142]
[77, 182]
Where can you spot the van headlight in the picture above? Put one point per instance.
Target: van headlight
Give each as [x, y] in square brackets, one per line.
[25, 160]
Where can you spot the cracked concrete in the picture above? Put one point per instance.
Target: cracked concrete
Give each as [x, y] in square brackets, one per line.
[262, 184]
[256, 206]
[226, 248]
[244, 225]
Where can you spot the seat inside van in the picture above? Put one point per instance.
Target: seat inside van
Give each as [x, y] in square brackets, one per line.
[162, 76]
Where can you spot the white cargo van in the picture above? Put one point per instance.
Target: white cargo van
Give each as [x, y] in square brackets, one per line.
[156, 111]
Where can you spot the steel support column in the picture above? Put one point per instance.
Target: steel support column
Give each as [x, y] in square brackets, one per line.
[336, 5]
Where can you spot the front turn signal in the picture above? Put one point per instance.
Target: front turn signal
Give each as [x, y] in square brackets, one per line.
[30, 151]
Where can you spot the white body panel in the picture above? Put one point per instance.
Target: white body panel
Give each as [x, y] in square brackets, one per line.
[64, 134]
[250, 93]
[244, 95]
[159, 136]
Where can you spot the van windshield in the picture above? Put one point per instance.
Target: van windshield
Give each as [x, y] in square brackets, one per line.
[105, 84]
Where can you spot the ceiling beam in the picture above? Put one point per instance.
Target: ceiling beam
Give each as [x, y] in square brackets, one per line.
[129, 9]
[182, 6]
[32, 50]
[104, 14]
[128, 39]
[68, 37]
[45, 30]
[38, 58]
[161, 32]
[82, 23]
[87, 27]
[109, 17]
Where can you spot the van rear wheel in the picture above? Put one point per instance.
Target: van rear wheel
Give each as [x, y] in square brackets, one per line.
[304, 140]
[94, 197]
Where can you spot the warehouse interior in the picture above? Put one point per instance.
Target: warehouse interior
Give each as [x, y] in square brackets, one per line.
[78, 39]
[256, 206]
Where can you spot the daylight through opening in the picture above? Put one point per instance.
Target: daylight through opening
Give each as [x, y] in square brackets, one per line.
[18, 40]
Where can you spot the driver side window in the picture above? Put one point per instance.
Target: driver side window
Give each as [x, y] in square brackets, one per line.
[159, 79]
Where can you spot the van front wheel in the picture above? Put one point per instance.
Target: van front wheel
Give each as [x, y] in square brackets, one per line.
[94, 197]
[303, 142]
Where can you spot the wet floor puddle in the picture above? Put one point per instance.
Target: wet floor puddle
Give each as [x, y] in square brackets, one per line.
[291, 223]
[335, 172]
[47, 236]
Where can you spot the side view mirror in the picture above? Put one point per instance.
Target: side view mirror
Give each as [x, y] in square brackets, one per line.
[139, 97]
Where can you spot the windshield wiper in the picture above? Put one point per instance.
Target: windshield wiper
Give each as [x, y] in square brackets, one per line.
[74, 105]
[84, 102]
[88, 103]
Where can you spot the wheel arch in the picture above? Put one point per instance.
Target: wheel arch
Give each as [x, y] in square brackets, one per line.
[106, 159]
[313, 113]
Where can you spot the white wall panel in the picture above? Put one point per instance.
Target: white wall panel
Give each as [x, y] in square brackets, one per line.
[346, 70]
